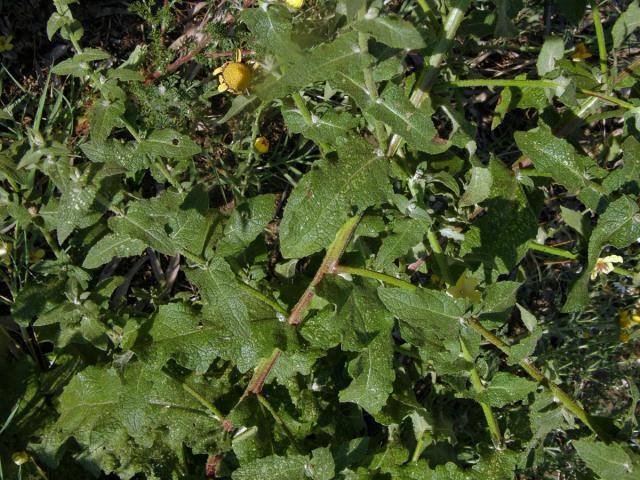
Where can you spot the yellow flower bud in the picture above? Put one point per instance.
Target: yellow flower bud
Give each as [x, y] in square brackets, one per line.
[20, 458]
[294, 3]
[261, 145]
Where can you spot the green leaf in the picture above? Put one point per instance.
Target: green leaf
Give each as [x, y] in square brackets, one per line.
[558, 158]
[478, 188]
[112, 245]
[619, 225]
[506, 388]
[323, 200]
[234, 311]
[552, 51]
[406, 234]
[498, 239]
[629, 174]
[168, 144]
[132, 423]
[178, 332]
[322, 466]
[56, 22]
[392, 31]
[625, 24]
[368, 328]
[576, 220]
[607, 461]
[432, 310]
[170, 223]
[506, 11]
[331, 128]
[500, 297]
[75, 204]
[396, 110]
[320, 64]
[78, 65]
[247, 221]
[105, 115]
[114, 152]
[274, 467]
[145, 220]
[272, 26]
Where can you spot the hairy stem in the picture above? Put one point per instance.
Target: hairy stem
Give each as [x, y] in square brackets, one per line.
[561, 396]
[328, 265]
[383, 277]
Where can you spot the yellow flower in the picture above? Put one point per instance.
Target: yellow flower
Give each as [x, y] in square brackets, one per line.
[624, 336]
[580, 52]
[465, 288]
[261, 145]
[294, 3]
[5, 43]
[623, 319]
[235, 76]
[605, 265]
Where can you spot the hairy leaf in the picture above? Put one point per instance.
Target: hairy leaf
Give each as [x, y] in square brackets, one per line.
[324, 198]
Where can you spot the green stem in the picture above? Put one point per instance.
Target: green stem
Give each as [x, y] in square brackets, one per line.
[440, 257]
[492, 422]
[558, 252]
[167, 175]
[568, 402]
[329, 265]
[131, 129]
[204, 402]
[278, 419]
[428, 76]
[602, 46]
[526, 364]
[418, 450]
[383, 277]
[490, 82]
[363, 42]
[608, 98]
[424, 5]
[50, 241]
[306, 115]
[262, 371]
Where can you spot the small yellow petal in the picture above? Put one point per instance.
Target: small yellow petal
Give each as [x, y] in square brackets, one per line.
[218, 71]
[222, 88]
[580, 52]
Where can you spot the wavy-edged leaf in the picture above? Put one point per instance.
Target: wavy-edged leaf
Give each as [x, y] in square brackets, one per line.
[607, 460]
[322, 201]
[247, 221]
[392, 31]
[168, 144]
[406, 234]
[112, 245]
[320, 64]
